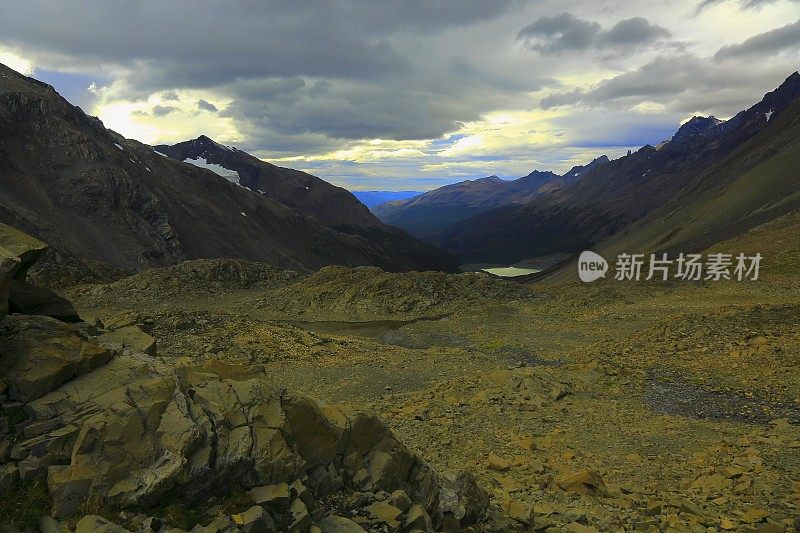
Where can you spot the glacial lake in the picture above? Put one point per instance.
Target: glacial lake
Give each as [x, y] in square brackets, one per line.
[510, 272]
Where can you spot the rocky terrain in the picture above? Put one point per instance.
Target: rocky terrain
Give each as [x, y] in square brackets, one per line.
[610, 406]
[100, 432]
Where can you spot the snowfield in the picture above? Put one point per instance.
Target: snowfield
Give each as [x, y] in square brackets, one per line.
[230, 175]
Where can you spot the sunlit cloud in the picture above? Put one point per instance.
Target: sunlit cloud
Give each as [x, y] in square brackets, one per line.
[167, 117]
[12, 60]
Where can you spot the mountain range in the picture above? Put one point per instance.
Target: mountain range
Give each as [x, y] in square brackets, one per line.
[99, 198]
[95, 196]
[375, 198]
[711, 180]
[426, 215]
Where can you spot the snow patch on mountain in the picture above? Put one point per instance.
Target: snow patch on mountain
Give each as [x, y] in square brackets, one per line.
[230, 175]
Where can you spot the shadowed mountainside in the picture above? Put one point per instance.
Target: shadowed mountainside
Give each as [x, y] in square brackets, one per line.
[100, 197]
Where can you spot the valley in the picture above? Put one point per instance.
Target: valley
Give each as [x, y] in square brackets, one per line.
[193, 339]
[538, 383]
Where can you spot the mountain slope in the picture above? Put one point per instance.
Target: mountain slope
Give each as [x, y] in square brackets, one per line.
[758, 183]
[331, 205]
[612, 196]
[431, 213]
[92, 194]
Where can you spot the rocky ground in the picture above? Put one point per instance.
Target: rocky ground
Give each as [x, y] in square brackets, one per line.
[611, 406]
[100, 432]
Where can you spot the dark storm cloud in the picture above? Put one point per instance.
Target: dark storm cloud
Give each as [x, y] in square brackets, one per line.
[207, 42]
[769, 42]
[289, 66]
[268, 88]
[163, 110]
[635, 31]
[565, 31]
[353, 112]
[560, 32]
[204, 105]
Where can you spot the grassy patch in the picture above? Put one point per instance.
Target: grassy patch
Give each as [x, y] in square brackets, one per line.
[236, 502]
[181, 516]
[186, 516]
[24, 506]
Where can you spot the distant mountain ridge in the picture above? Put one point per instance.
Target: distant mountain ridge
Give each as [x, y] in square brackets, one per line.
[429, 214]
[618, 193]
[375, 198]
[94, 195]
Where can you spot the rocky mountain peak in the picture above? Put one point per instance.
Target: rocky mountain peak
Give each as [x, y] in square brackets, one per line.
[539, 175]
[579, 170]
[698, 126]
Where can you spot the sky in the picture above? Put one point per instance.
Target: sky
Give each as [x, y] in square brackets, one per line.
[406, 94]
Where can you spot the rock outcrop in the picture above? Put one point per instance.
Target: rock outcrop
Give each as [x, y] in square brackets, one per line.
[18, 252]
[9, 263]
[29, 299]
[97, 417]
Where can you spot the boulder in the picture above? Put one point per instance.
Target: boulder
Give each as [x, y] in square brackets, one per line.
[131, 337]
[9, 264]
[27, 249]
[299, 490]
[585, 483]
[272, 496]
[417, 519]
[30, 300]
[462, 498]
[254, 520]
[520, 511]
[386, 513]
[42, 353]
[316, 437]
[137, 430]
[97, 524]
[301, 519]
[495, 462]
[400, 500]
[338, 524]
[325, 480]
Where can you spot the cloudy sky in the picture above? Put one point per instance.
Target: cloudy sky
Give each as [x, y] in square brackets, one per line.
[406, 94]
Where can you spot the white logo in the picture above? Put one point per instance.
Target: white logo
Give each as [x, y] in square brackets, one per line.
[591, 266]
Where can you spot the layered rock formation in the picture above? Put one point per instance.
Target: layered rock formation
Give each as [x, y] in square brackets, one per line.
[99, 420]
